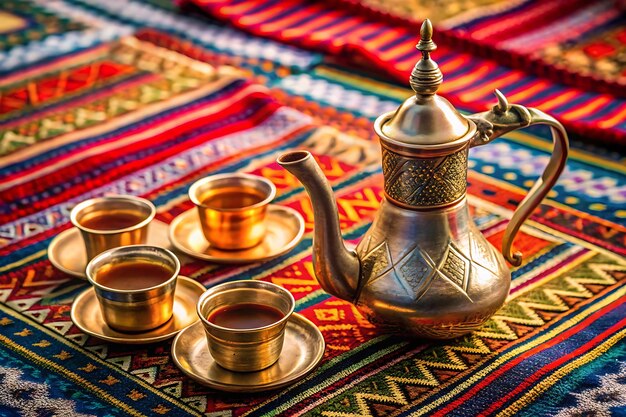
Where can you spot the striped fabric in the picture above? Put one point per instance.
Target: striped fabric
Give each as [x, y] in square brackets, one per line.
[469, 81]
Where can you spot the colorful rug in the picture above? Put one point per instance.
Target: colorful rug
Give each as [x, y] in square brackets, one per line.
[132, 97]
[569, 41]
[339, 29]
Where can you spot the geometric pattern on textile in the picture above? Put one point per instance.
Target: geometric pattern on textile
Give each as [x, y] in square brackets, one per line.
[565, 313]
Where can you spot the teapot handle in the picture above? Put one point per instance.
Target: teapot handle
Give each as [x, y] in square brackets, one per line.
[504, 118]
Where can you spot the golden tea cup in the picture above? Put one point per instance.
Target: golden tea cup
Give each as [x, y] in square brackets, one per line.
[141, 309]
[245, 350]
[232, 209]
[98, 240]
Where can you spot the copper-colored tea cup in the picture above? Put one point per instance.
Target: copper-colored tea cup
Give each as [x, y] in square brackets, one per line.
[232, 209]
[112, 221]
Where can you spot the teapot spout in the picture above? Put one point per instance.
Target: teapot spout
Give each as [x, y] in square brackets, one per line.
[336, 268]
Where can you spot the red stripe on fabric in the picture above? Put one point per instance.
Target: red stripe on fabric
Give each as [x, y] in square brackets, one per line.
[543, 346]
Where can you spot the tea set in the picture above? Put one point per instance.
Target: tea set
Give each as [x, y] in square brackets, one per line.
[423, 269]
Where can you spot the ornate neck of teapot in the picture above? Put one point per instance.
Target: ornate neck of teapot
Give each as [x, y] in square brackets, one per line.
[425, 141]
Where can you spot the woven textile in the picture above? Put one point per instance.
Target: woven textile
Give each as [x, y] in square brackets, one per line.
[351, 33]
[572, 41]
[137, 98]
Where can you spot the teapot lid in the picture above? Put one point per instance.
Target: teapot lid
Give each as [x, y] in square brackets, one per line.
[425, 119]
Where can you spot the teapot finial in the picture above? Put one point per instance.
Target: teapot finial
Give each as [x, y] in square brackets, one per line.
[426, 76]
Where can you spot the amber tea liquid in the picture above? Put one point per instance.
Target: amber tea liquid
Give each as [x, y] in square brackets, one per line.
[103, 220]
[245, 316]
[232, 197]
[132, 275]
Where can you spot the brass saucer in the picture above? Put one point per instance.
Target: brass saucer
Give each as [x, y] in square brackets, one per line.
[285, 228]
[302, 351]
[67, 251]
[87, 316]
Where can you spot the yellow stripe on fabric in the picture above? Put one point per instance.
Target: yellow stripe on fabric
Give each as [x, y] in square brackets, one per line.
[97, 359]
[518, 136]
[463, 81]
[527, 92]
[586, 109]
[46, 363]
[23, 260]
[41, 71]
[618, 118]
[309, 27]
[475, 94]
[549, 202]
[397, 50]
[500, 360]
[381, 39]
[558, 100]
[260, 16]
[284, 22]
[454, 64]
[495, 209]
[354, 367]
[322, 35]
[241, 8]
[541, 387]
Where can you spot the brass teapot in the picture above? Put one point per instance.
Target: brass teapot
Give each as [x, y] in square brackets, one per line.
[423, 268]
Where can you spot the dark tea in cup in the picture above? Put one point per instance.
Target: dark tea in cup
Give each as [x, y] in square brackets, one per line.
[232, 197]
[103, 220]
[245, 316]
[133, 275]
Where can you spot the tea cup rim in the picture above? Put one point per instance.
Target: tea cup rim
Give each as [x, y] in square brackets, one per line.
[202, 181]
[244, 284]
[86, 203]
[109, 252]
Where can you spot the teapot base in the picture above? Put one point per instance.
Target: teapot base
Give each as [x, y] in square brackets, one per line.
[425, 329]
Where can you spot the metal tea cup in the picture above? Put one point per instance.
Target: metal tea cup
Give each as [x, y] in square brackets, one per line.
[141, 309]
[96, 240]
[237, 227]
[245, 350]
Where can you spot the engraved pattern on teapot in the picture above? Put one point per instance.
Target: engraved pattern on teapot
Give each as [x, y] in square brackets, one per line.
[421, 182]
